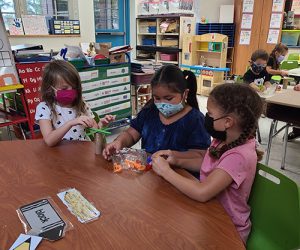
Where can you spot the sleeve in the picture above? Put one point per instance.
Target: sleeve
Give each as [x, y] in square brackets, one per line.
[42, 112]
[247, 78]
[198, 138]
[138, 122]
[270, 62]
[234, 164]
[267, 76]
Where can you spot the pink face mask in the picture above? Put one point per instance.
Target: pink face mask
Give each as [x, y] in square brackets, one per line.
[66, 96]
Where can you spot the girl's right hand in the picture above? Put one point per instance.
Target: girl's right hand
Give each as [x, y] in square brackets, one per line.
[111, 148]
[284, 73]
[83, 120]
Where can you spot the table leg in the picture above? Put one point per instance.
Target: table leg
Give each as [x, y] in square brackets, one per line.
[285, 140]
[270, 141]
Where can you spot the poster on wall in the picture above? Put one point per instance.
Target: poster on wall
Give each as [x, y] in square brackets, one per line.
[35, 25]
[278, 5]
[246, 21]
[15, 26]
[296, 7]
[275, 22]
[273, 36]
[245, 37]
[248, 6]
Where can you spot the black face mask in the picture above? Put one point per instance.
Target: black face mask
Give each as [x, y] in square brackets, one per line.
[257, 68]
[209, 125]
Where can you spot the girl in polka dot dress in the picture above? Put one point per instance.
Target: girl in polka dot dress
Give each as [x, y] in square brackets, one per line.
[228, 168]
[63, 115]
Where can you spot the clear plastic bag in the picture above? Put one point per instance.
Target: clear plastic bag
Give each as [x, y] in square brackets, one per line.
[43, 218]
[130, 159]
[78, 205]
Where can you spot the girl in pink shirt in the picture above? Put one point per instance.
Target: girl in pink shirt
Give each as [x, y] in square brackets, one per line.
[229, 165]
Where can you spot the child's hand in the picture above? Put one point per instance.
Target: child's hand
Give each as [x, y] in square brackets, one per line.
[168, 155]
[297, 87]
[267, 84]
[160, 166]
[106, 120]
[85, 121]
[284, 73]
[111, 149]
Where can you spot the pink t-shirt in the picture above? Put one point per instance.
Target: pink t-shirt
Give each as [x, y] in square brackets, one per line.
[240, 163]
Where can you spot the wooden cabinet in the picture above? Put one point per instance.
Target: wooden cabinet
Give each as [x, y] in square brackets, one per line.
[262, 12]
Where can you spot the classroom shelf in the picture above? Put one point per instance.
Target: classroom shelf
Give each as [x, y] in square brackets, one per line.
[168, 34]
[158, 48]
[172, 62]
[48, 36]
[146, 34]
[290, 30]
[207, 51]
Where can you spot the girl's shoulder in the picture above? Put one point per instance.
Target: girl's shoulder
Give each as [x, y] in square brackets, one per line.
[43, 106]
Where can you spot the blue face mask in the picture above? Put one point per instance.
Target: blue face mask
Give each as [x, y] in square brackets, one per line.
[168, 109]
[280, 58]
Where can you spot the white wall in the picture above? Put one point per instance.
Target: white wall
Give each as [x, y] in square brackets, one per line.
[87, 29]
[210, 9]
[133, 15]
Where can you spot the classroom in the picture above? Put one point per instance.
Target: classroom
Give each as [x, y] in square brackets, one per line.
[149, 124]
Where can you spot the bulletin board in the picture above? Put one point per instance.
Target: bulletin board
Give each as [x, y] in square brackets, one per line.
[31, 77]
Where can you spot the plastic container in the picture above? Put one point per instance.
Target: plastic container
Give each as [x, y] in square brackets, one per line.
[168, 57]
[290, 38]
[152, 29]
[141, 78]
[149, 41]
[77, 63]
[102, 61]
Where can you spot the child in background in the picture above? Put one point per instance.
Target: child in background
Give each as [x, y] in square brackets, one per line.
[170, 120]
[276, 57]
[63, 115]
[228, 168]
[257, 76]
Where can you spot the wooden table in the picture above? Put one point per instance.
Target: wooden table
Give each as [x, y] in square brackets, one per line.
[283, 107]
[139, 211]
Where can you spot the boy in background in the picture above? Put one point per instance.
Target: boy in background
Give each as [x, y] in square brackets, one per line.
[257, 75]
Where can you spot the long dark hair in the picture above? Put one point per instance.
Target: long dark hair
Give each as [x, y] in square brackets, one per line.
[178, 81]
[245, 103]
[52, 74]
[280, 48]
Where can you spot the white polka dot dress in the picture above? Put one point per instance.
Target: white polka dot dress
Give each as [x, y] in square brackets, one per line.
[64, 115]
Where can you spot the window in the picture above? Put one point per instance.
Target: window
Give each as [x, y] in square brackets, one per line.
[59, 9]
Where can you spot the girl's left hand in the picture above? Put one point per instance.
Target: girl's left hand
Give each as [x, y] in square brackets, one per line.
[106, 120]
[160, 165]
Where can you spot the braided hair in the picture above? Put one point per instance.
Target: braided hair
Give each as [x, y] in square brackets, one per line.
[245, 103]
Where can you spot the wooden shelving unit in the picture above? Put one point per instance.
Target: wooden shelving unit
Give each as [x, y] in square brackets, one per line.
[162, 47]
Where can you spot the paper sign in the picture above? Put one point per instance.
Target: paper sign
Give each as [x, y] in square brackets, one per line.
[273, 36]
[248, 6]
[296, 7]
[43, 219]
[246, 21]
[277, 5]
[15, 26]
[27, 242]
[35, 25]
[245, 37]
[275, 22]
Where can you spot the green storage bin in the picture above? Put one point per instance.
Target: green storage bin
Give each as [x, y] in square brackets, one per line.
[102, 61]
[77, 63]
